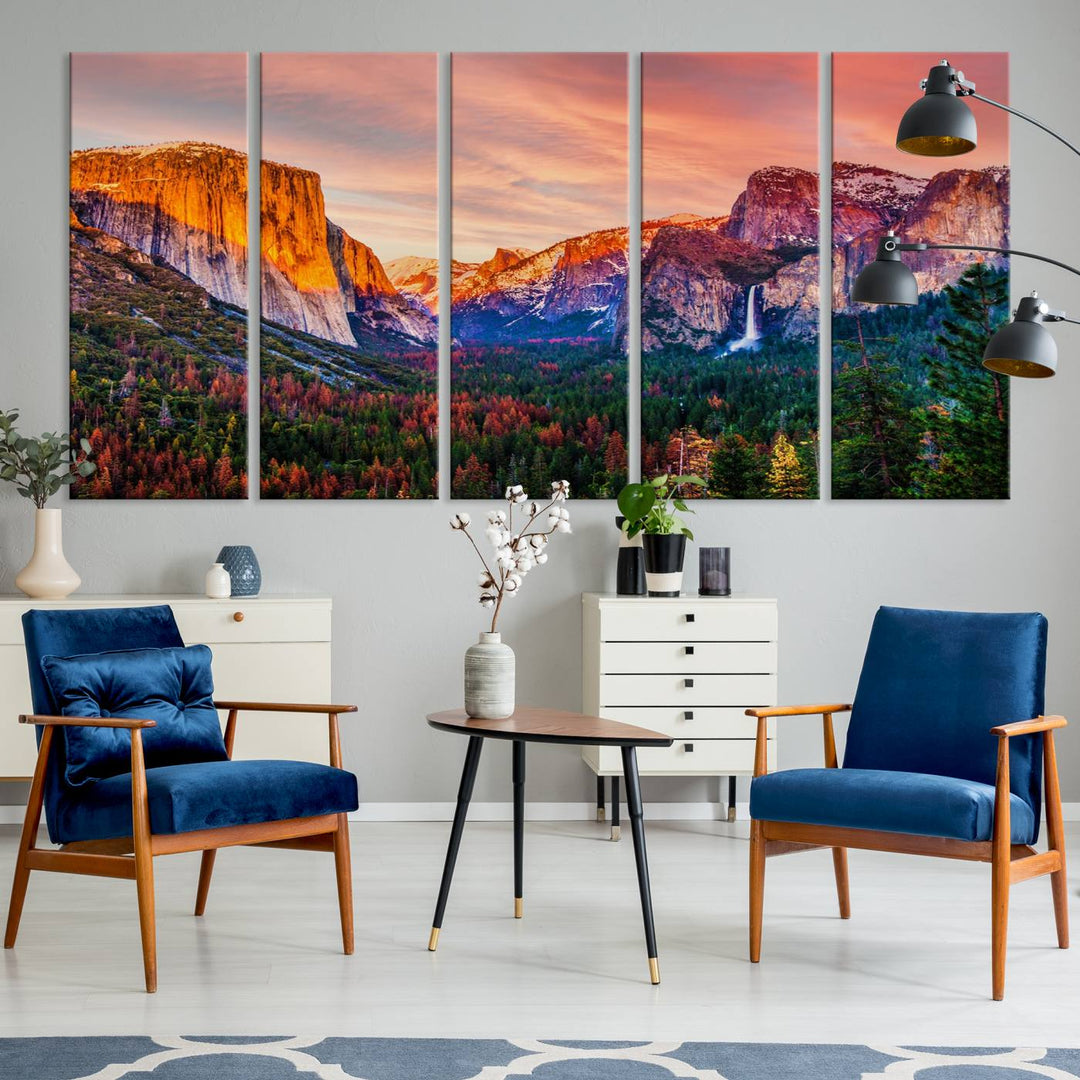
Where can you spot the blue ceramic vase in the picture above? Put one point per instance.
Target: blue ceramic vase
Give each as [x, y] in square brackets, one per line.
[243, 567]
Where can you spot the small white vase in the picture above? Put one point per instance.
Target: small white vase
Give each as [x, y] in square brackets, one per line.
[48, 575]
[489, 678]
[218, 582]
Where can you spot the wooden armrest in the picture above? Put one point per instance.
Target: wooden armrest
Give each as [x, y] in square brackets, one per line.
[798, 710]
[1028, 727]
[87, 721]
[278, 706]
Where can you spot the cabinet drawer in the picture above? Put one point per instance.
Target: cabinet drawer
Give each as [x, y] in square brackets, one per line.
[212, 621]
[689, 657]
[686, 691]
[691, 723]
[298, 671]
[709, 757]
[688, 620]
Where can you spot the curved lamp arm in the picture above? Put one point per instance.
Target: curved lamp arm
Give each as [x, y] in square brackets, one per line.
[963, 92]
[890, 245]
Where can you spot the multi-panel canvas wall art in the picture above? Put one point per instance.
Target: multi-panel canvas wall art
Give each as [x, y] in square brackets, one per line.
[349, 334]
[158, 273]
[729, 271]
[914, 413]
[539, 317]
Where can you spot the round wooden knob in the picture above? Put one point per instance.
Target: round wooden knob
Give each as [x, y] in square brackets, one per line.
[238, 616]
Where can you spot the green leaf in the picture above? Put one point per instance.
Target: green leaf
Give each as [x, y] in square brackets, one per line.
[680, 505]
[696, 481]
[86, 447]
[636, 501]
[69, 478]
[85, 468]
[659, 481]
[687, 533]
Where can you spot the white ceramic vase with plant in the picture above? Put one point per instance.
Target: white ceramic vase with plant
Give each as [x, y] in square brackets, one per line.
[39, 467]
[516, 550]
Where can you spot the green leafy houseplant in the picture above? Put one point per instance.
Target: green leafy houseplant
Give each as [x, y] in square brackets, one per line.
[651, 507]
[39, 467]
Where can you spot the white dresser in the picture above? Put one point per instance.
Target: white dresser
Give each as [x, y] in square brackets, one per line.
[266, 648]
[687, 666]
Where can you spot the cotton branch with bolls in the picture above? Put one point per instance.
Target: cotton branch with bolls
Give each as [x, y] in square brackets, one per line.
[515, 553]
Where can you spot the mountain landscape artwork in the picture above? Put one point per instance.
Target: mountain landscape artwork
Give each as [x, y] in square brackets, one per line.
[349, 333]
[538, 280]
[158, 273]
[914, 413]
[729, 272]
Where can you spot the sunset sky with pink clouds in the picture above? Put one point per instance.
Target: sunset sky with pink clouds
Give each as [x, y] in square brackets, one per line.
[367, 123]
[539, 148]
[131, 99]
[871, 92]
[710, 119]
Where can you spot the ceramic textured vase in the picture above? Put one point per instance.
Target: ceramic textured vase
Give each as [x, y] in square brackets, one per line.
[244, 573]
[630, 569]
[489, 678]
[664, 555]
[218, 582]
[48, 575]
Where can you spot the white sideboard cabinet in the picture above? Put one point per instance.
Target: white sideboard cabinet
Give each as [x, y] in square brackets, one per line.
[688, 666]
[266, 648]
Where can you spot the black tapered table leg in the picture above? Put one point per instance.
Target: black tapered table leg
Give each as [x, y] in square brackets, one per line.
[600, 799]
[519, 826]
[731, 798]
[637, 827]
[465, 790]
[615, 800]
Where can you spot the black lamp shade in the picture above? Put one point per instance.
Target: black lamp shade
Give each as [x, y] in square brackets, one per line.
[939, 124]
[885, 281]
[1023, 348]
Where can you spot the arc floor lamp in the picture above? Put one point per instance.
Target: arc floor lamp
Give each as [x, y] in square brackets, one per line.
[940, 124]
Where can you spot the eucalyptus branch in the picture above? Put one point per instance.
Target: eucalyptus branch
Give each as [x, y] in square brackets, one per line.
[40, 467]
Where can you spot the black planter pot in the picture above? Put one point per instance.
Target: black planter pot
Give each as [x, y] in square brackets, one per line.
[664, 555]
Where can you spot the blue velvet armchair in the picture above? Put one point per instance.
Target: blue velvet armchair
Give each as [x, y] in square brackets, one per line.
[947, 751]
[132, 763]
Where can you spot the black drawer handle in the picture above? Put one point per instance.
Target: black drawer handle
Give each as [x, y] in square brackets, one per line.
[688, 684]
[688, 747]
[689, 616]
[689, 650]
[688, 715]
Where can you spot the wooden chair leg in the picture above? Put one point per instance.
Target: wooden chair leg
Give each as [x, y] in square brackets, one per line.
[144, 861]
[757, 888]
[206, 871]
[1000, 871]
[28, 840]
[1055, 829]
[839, 858]
[343, 867]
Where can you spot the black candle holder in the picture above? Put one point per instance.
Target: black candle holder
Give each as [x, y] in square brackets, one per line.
[714, 571]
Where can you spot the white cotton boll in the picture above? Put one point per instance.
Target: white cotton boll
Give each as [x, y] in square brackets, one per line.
[487, 601]
[497, 517]
[541, 559]
[564, 526]
[485, 580]
[494, 535]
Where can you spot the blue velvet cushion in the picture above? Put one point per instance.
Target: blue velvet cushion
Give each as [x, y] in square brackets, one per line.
[878, 799]
[933, 684]
[172, 686]
[208, 795]
[65, 632]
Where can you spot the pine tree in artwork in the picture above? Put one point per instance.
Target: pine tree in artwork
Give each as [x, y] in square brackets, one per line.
[968, 426]
[876, 438]
[736, 469]
[787, 477]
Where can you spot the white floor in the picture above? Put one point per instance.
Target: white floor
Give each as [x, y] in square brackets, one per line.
[911, 966]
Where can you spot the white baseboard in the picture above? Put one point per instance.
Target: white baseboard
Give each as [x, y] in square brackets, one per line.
[12, 814]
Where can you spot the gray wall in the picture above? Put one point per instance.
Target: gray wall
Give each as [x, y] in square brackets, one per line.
[402, 584]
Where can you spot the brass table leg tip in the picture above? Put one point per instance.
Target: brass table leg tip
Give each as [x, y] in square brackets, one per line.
[600, 814]
[616, 832]
[519, 907]
[654, 971]
[433, 940]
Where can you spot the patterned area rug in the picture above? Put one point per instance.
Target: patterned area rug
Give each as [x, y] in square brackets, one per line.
[281, 1058]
